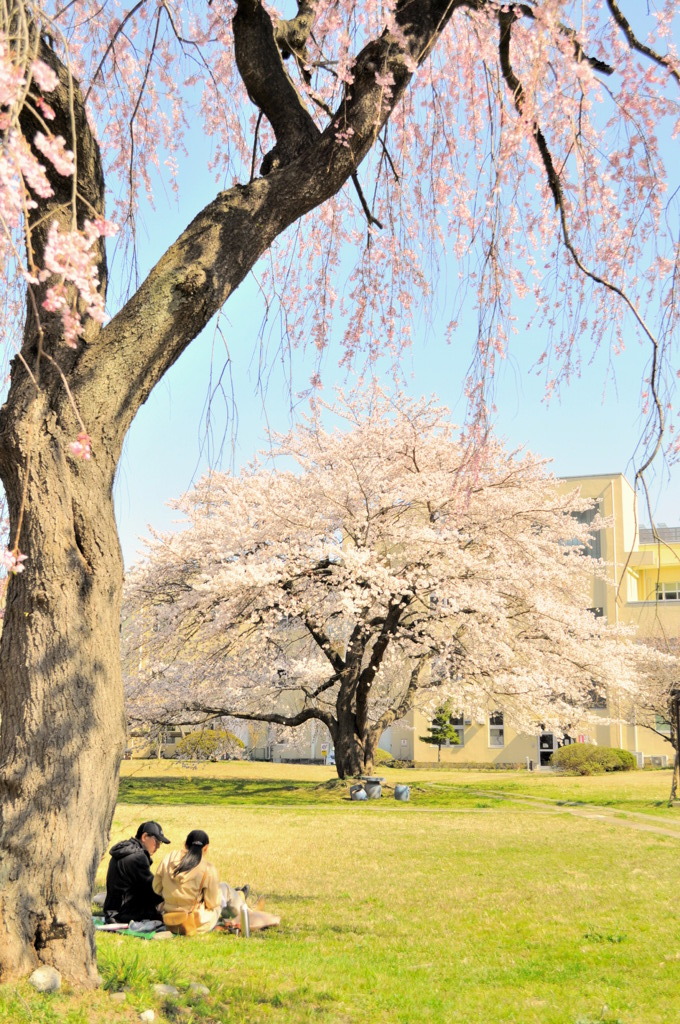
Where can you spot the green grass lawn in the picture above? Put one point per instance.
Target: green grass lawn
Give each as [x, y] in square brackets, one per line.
[452, 908]
[168, 782]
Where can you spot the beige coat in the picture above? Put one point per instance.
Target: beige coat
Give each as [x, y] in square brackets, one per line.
[197, 889]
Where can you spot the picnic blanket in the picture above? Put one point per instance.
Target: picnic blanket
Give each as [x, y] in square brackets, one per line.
[124, 929]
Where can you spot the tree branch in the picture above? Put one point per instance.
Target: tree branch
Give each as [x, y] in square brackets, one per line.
[260, 65]
[368, 674]
[324, 644]
[292, 35]
[266, 716]
[405, 704]
[506, 19]
[593, 62]
[198, 273]
[637, 44]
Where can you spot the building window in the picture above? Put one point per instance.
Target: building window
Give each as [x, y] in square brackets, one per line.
[593, 549]
[662, 725]
[668, 591]
[596, 699]
[496, 729]
[459, 725]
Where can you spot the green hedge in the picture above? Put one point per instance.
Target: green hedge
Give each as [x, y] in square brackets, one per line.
[589, 759]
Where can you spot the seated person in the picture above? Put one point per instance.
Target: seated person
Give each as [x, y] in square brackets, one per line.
[129, 890]
[186, 880]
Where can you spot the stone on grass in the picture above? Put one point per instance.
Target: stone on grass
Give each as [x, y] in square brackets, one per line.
[198, 990]
[147, 1016]
[45, 979]
[166, 990]
[118, 997]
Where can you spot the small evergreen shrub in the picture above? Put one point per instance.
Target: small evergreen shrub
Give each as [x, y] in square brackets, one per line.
[589, 759]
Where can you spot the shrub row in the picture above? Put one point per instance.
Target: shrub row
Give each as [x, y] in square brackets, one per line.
[589, 759]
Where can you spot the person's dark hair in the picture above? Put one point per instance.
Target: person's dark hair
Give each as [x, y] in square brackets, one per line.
[195, 842]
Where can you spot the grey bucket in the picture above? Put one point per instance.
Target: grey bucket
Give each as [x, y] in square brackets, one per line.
[402, 792]
[373, 790]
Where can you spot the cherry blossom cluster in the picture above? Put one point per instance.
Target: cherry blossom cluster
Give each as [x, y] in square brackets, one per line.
[459, 168]
[395, 539]
[12, 561]
[81, 448]
[69, 255]
[20, 170]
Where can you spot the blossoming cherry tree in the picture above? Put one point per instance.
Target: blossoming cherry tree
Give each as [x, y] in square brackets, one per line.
[521, 139]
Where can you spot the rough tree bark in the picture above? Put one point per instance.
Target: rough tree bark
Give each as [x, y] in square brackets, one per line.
[62, 730]
[674, 708]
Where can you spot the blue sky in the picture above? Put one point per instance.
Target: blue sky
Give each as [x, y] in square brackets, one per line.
[592, 427]
[214, 405]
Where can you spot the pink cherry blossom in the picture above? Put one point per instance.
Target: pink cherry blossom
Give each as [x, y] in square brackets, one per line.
[43, 74]
[11, 78]
[45, 109]
[12, 561]
[81, 448]
[385, 80]
[390, 540]
[54, 148]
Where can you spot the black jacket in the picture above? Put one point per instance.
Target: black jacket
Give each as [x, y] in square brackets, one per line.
[129, 893]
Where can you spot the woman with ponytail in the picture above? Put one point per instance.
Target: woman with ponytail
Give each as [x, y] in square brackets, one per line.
[188, 882]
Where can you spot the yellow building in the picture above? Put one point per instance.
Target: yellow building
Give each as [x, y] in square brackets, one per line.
[642, 588]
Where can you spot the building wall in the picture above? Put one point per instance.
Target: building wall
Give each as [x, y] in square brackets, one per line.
[628, 596]
[403, 741]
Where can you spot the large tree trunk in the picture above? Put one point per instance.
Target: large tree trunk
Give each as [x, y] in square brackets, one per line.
[675, 781]
[62, 733]
[354, 754]
[349, 756]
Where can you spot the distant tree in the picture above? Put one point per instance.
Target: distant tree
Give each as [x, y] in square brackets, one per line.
[209, 745]
[657, 696]
[441, 729]
[401, 564]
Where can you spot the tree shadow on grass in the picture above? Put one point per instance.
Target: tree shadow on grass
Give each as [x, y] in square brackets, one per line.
[175, 789]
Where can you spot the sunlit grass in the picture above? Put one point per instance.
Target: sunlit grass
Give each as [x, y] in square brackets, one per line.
[161, 782]
[507, 913]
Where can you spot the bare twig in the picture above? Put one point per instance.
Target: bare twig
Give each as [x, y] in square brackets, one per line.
[257, 132]
[506, 20]
[637, 44]
[364, 205]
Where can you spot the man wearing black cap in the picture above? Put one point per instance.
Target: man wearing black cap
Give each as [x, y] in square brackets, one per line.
[129, 892]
